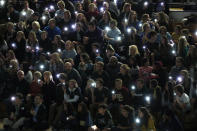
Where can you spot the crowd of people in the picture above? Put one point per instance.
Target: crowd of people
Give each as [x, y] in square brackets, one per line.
[95, 65]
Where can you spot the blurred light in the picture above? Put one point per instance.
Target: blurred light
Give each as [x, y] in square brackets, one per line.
[133, 87]
[196, 33]
[162, 3]
[174, 93]
[93, 84]
[58, 76]
[113, 92]
[94, 127]
[9, 18]
[48, 53]
[179, 79]
[37, 48]
[59, 50]
[125, 20]
[97, 51]
[101, 9]
[115, 1]
[41, 67]
[65, 28]
[55, 14]
[173, 52]
[39, 80]
[140, 24]
[27, 47]
[172, 43]
[10, 66]
[43, 18]
[107, 28]
[2, 3]
[137, 120]
[51, 7]
[73, 26]
[155, 20]
[147, 98]
[24, 13]
[118, 38]
[146, 3]
[144, 47]
[170, 77]
[46, 9]
[13, 98]
[67, 118]
[14, 45]
[76, 12]
[128, 30]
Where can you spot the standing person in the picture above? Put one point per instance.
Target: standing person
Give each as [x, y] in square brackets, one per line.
[26, 13]
[147, 122]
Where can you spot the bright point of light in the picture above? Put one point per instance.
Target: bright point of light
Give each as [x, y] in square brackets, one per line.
[155, 20]
[37, 47]
[65, 28]
[140, 24]
[94, 127]
[174, 93]
[170, 77]
[55, 14]
[113, 92]
[58, 75]
[43, 18]
[101, 9]
[133, 87]
[119, 38]
[179, 79]
[107, 28]
[93, 84]
[173, 52]
[67, 118]
[125, 20]
[147, 98]
[73, 26]
[146, 3]
[115, 1]
[48, 53]
[51, 7]
[39, 80]
[46, 9]
[13, 98]
[97, 51]
[137, 120]
[128, 30]
[24, 13]
[59, 50]
[41, 67]
[162, 3]
[196, 33]
[13, 45]
[2, 2]
[144, 47]
[76, 12]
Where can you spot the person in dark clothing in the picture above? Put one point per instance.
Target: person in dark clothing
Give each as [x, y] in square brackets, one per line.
[45, 43]
[48, 89]
[12, 14]
[22, 86]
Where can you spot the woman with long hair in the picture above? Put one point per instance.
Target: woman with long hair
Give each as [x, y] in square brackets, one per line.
[104, 21]
[147, 122]
[183, 47]
[57, 44]
[82, 19]
[133, 52]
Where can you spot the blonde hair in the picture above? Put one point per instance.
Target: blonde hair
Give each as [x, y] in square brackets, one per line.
[21, 33]
[33, 34]
[48, 73]
[37, 24]
[60, 2]
[125, 67]
[37, 74]
[134, 47]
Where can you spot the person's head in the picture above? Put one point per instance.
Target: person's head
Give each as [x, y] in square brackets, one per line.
[37, 75]
[84, 57]
[124, 69]
[178, 29]
[99, 66]
[153, 83]
[113, 24]
[146, 27]
[44, 35]
[67, 15]
[184, 74]
[144, 114]
[55, 57]
[133, 50]
[14, 64]
[185, 32]
[80, 49]
[99, 83]
[79, 6]
[26, 4]
[110, 51]
[20, 34]
[32, 36]
[47, 76]
[10, 8]
[113, 60]
[10, 55]
[182, 43]
[18, 99]
[52, 23]
[38, 99]
[133, 16]
[107, 16]
[72, 83]
[81, 17]
[126, 7]
[10, 26]
[126, 110]
[68, 66]
[163, 30]
[61, 4]
[20, 75]
[102, 109]
[92, 7]
[179, 89]
[118, 84]
[140, 83]
[145, 18]
[79, 27]
[62, 77]
[82, 108]
[152, 36]
[69, 45]
[106, 5]
[179, 61]
[35, 25]
[92, 26]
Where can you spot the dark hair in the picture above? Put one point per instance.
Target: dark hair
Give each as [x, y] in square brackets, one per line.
[85, 57]
[100, 80]
[180, 89]
[104, 106]
[63, 76]
[151, 34]
[154, 83]
[84, 109]
[40, 95]
[146, 115]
